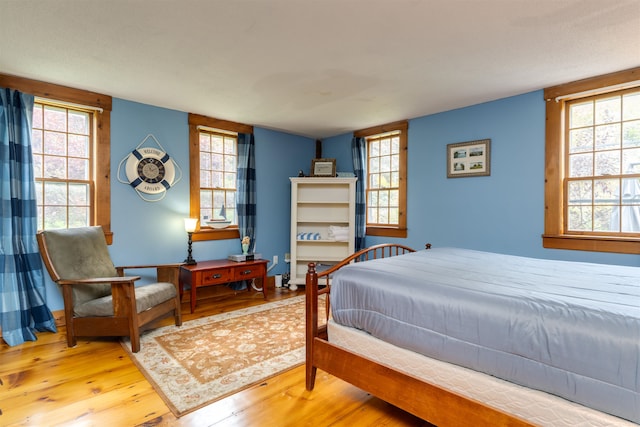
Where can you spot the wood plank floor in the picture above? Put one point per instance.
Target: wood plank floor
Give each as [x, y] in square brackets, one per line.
[45, 383]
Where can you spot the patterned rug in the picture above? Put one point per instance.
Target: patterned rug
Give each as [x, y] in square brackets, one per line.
[207, 359]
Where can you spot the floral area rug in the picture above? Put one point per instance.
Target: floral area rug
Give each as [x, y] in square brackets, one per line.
[207, 359]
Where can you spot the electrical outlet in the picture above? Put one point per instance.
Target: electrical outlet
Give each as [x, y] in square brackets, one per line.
[287, 257]
[275, 259]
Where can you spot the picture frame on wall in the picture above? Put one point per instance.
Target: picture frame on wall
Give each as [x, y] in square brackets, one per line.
[323, 167]
[471, 158]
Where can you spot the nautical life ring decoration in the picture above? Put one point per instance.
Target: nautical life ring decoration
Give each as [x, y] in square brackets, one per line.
[149, 170]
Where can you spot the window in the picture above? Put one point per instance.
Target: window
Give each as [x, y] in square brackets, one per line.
[61, 146]
[218, 165]
[213, 164]
[386, 180]
[592, 192]
[71, 149]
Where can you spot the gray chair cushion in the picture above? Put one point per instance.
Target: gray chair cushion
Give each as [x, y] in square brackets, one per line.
[81, 253]
[146, 297]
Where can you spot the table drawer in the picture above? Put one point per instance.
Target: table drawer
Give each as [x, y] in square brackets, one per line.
[219, 275]
[248, 272]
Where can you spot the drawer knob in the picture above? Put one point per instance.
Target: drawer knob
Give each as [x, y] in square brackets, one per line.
[246, 272]
[216, 276]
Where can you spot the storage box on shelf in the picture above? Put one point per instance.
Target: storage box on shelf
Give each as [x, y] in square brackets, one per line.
[322, 223]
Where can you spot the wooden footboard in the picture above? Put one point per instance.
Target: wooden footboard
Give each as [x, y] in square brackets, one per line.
[427, 401]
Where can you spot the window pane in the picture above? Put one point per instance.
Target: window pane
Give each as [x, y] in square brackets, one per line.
[581, 115]
[55, 193]
[36, 141]
[372, 215]
[79, 146]
[631, 134]
[229, 180]
[631, 161]
[581, 165]
[205, 143]
[78, 216]
[606, 191]
[631, 106]
[55, 167]
[205, 179]
[608, 137]
[79, 194]
[78, 169]
[205, 161]
[580, 218]
[55, 217]
[608, 110]
[55, 143]
[393, 215]
[607, 163]
[55, 118]
[580, 192]
[581, 140]
[602, 218]
[79, 122]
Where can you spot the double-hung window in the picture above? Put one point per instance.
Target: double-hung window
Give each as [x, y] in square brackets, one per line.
[386, 180]
[213, 165]
[62, 157]
[593, 164]
[71, 154]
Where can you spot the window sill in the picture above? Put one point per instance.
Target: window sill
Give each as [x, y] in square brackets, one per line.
[622, 245]
[213, 234]
[386, 231]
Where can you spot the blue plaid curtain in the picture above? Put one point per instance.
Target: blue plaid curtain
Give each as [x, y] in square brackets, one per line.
[359, 154]
[22, 305]
[246, 188]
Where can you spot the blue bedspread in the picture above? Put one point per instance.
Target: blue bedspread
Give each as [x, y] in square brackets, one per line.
[567, 328]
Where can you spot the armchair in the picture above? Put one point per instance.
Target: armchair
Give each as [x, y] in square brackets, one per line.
[98, 299]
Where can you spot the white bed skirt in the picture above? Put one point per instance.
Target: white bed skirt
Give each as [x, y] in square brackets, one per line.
[535, 406]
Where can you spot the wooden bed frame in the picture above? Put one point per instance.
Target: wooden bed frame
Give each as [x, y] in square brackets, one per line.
[432, 403]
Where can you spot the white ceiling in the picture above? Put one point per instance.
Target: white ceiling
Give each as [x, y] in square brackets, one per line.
[316, 68]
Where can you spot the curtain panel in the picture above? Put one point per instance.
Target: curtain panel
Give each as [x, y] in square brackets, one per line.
[22, 305]
[359, 154]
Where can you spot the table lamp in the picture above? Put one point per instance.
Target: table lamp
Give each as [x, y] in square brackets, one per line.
[190, 225]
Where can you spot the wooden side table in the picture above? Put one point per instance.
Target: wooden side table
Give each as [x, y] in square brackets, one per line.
[221, 271]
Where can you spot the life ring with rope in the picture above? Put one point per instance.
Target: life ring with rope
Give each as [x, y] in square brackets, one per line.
[150, 170]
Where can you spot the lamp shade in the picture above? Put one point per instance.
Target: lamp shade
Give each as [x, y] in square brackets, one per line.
[190, 224]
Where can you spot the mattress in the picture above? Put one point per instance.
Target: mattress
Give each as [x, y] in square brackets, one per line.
[567, 328]
[534, 406]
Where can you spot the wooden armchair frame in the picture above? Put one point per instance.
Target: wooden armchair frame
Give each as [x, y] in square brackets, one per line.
[126, 321]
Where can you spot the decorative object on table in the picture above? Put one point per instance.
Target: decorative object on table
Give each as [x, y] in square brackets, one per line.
[190, 225]
[251, 345]
[300, 173]
[243, 258]
[471, 158]
[150, 170]
[246, 241]
[323, 167]
[220, 221]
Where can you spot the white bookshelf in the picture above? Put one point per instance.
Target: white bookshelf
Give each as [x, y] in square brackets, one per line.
[317, 204]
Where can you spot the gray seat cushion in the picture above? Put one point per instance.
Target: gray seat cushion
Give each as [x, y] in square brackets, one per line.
[146, 297]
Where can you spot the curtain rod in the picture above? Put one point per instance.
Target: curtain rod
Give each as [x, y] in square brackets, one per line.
[68, 104]
[621, 86]
[210, 129]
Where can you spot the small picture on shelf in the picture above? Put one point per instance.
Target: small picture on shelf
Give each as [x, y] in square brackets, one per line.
[323, 167]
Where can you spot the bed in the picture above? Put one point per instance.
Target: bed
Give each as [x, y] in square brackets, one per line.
[488, 350]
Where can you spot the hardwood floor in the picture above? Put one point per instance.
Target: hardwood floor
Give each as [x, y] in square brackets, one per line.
[45, 383]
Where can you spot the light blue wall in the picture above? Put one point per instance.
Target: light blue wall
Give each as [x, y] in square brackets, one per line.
[503, 212]
[153, 232]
